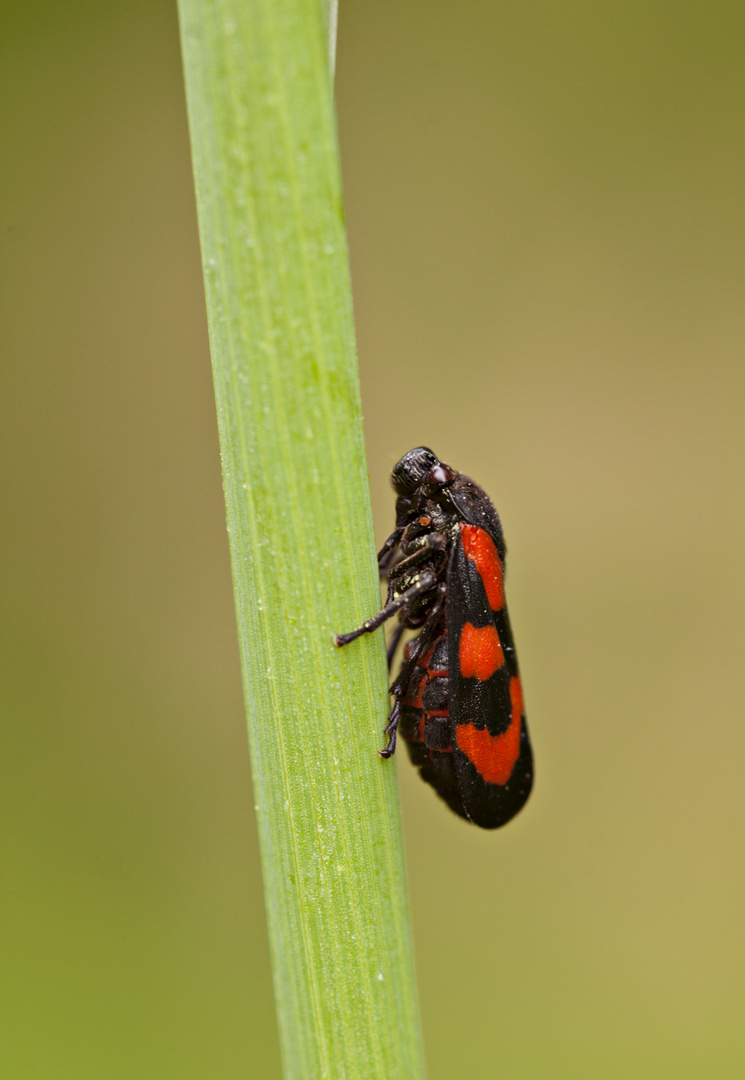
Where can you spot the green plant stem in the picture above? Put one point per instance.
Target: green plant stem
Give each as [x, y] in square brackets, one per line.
[331, 18]
[282, 342]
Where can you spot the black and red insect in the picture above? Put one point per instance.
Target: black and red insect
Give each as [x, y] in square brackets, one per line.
[458, 701]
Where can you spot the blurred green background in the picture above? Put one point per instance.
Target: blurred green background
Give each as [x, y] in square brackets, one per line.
[545, 208]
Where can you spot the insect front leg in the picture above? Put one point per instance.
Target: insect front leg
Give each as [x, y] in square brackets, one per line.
[418, 550]
[387, 553]
[426, 544]
[425, 581]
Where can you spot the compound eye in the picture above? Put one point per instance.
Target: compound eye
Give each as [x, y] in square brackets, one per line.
[440, 475]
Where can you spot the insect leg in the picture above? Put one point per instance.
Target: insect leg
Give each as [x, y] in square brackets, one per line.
[422, 642]
[393, 643]
[424, 582]
[430, 630]
[387, 553]
[425, 545]
[391, 730]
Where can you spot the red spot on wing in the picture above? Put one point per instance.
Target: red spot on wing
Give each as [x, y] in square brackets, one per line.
[479, 548]
[479, 652]
[494, 756]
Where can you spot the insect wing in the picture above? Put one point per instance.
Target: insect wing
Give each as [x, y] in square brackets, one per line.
[492, 757]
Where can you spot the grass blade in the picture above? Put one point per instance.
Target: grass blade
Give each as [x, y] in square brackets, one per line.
[282, 341]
